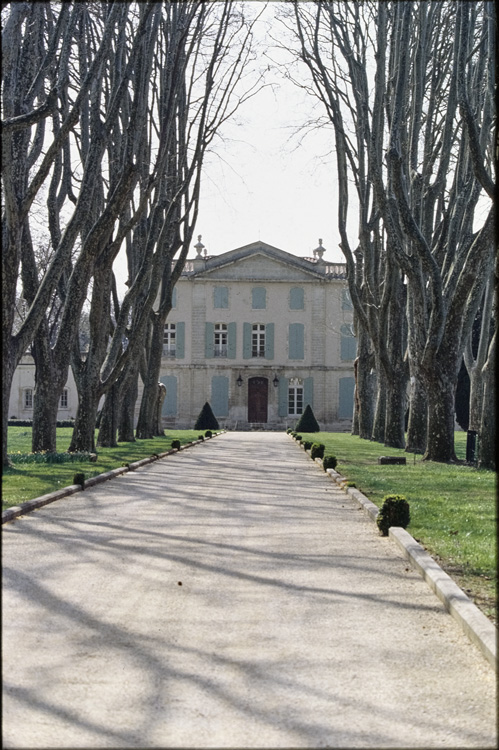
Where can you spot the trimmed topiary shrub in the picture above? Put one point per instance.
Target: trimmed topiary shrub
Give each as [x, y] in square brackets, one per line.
[176, 444]
[206, 419]
[307, 444]
[79, 478]
[208, 434]
[394, 512]
[298, 437]
[317, 450]
[329, 462]
[307, 421]
[200, 437]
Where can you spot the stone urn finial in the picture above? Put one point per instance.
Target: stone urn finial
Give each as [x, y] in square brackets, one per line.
[199, 247]
[319, 251]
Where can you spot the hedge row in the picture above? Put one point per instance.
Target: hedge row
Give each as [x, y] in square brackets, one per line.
[29, 423]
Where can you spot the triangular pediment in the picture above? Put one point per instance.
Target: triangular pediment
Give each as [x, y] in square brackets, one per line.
[258, 261]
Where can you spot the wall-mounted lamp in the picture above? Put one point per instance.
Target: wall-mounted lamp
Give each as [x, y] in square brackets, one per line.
[239, 381]
[275, 381]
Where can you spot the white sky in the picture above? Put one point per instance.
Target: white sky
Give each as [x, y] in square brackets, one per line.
[265, 181]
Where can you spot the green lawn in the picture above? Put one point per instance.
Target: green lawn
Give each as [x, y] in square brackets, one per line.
[453, 507]
[26, 481]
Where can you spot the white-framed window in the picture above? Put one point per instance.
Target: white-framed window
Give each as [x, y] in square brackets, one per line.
[220, 342]
[169, 340]
[295, 400]
[64, 400]
[258, 340]
[28, 398]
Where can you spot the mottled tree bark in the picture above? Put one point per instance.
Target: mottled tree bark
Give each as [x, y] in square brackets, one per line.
[418, 417]
[379, 425]
[487, 447]
[365, 384]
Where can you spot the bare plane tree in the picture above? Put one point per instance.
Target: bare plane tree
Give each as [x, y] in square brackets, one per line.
[416, 85]
[37, 45]
[108, 111]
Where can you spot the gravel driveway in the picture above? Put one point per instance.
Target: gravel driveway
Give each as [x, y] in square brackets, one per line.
[229, 595]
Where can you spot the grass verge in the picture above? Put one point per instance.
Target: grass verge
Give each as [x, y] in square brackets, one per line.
[26, 481]
[453, 507]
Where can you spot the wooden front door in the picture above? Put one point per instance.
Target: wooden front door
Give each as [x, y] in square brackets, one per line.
[258, 392]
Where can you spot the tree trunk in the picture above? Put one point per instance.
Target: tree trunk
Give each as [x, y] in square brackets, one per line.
[83, 438]
[45, 407]
[441, 391]
[148, 417]
[49, 383]
[159, 408]
[365, 384]
[109, 419]
[396, 400]
[487, 432]
[380, 410]
[356, 402]
[418, 418]
[9, 366]
[126, 420]
[476, 398]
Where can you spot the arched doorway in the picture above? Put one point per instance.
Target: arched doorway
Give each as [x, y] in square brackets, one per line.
[258, 393]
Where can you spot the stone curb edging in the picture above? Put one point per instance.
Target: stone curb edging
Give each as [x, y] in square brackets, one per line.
[470, 618]
[38, 502]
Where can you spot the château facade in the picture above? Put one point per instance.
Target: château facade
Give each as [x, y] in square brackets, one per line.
[259, 334]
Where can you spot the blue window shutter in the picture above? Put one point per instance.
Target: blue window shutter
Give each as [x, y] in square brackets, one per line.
[231, 341]
[346, 300]
[221, 297]
[308, 392]
[269, 341]
[220, 395]
[170, 403]
[296, 341]
[345, 401]
[174, 297]
[348, 343]
[180, 341]
[258, 298]
[296, 298]
[246, 340]
[209, 340]
[283, 397]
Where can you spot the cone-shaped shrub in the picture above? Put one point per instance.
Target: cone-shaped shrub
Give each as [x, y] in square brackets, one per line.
[206, 420]
[393, 512]
[307, 421]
